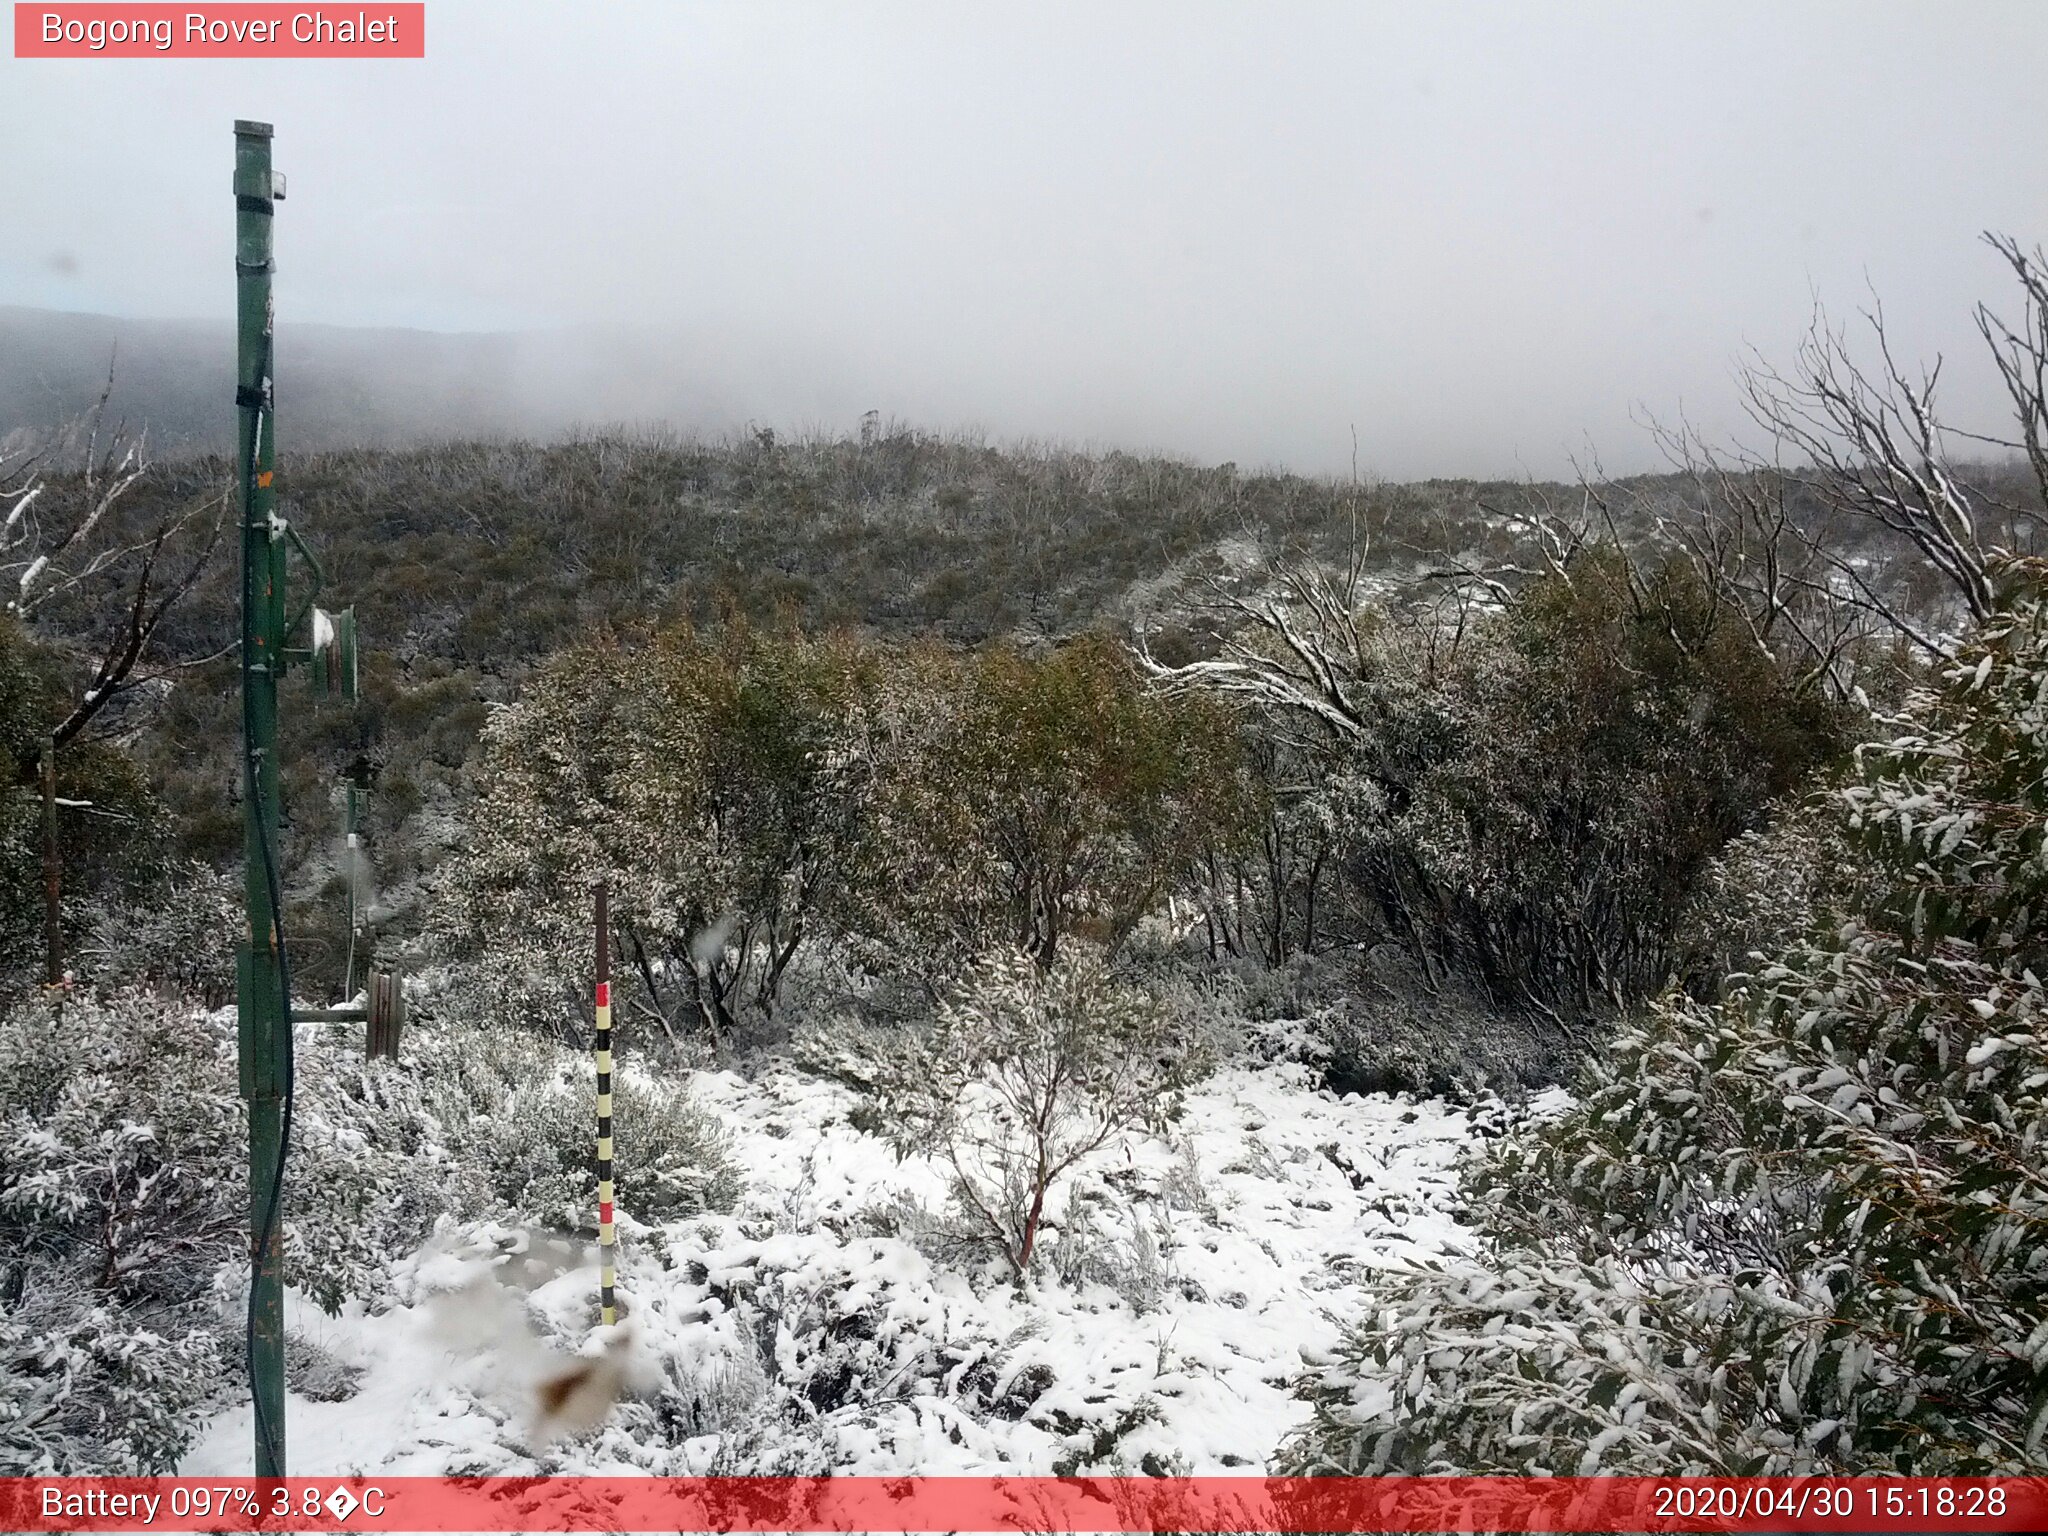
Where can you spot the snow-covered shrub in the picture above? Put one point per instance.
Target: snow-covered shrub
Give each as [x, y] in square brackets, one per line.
[121, 1191]
[939, 1235]
[1297, 988]
[1025, 1072]
[520, 1110]
[180, 940]
[795, 1356]
[1401, 1033]
[1207, 999]
[719, 784]
[124, 1190]
[374, 1161]
[1528, 799]
[96, 1389]
[1804, 1228]
[1095, 1248]
[1759, 895]
[786, 1356]
[124, 1195]
[1044, 798]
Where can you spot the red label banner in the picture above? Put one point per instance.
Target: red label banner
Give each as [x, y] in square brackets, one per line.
[240, 31]
[1024, 1504]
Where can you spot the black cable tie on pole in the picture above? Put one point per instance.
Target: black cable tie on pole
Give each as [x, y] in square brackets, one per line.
[244, 203]
[254, 268]
[249, 399]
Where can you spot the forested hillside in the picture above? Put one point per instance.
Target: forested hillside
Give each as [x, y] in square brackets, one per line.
[470, 564]
[1082, 835]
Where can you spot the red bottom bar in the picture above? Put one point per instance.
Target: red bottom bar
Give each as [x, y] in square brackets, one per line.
[1024, 1504]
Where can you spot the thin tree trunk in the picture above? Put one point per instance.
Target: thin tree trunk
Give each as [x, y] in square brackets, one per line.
[1023, 1260]
[647, 980]
[1308, 921]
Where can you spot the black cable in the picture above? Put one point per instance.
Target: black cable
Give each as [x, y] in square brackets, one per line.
[253, 769]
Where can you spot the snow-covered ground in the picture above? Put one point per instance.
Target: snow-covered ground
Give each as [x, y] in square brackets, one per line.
[824, 1326]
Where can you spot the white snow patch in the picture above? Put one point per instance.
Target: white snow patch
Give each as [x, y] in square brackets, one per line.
[1298, 1199]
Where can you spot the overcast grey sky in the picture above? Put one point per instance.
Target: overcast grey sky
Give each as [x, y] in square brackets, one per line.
[1480, 233]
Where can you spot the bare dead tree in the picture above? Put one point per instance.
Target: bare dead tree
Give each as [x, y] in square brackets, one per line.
[1296, 645]
[1796, 537]
[2021, 356]
[1868, 441]
[85, 568]
[100, 579]
[1778, 560]
[1556, 532]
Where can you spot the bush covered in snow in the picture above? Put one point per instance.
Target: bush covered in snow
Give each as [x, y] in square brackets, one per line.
[1804, 1228]
[1521, 797]
[519, 1110]
[179, 940]
[1026, 1071]
[124, 1196]
[123, 1192]
[756, 797]
[120, 1194]
[719, 784]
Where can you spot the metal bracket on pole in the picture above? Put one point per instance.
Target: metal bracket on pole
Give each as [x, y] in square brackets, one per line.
[382, 1011]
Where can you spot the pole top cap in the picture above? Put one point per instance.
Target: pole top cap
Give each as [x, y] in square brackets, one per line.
[244, 129]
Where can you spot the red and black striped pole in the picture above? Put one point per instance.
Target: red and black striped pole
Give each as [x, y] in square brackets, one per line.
[607, 1240]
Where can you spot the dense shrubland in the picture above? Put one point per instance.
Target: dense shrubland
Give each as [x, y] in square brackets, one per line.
[1528, 800]
[1804, 1228]
[757, 796]
[470, 564]
[124, 1189]
[1796, 1221]
[1525, 808]
[1011, 788]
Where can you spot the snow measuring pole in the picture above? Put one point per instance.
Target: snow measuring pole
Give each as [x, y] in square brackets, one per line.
[264, 978]
[607, 1231]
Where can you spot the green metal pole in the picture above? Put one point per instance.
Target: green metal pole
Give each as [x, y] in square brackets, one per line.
[352, 801]
[265, 1032]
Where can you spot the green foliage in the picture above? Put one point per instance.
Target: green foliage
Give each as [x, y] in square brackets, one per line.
[1051, 796]
[1761, 894]
[1805, 1228]
[746, 794]
[177, 938]
[112, 833]
[718, 785]
[1535, 803]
